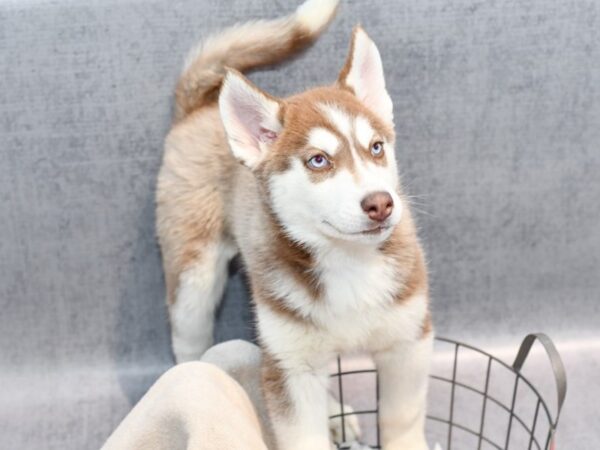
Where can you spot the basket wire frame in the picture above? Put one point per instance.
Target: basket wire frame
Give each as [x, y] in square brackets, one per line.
[544, 443]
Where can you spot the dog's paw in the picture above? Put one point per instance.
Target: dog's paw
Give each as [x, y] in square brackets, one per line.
[350, 425]
[352, 446]
[419, 445]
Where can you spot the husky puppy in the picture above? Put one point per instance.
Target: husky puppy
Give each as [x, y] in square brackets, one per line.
[306, 189]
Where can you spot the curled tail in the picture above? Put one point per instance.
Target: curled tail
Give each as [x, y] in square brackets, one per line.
[247, 46]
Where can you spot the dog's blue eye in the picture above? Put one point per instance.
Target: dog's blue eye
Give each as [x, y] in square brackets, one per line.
[377, 148]
[318, 162]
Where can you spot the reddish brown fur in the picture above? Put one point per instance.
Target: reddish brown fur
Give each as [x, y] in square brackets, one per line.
[426, 326]
[348, 63]
[275, 304]
[189, 210]
[301, 113]
[274, 386]
[200, 84]
[404, 249]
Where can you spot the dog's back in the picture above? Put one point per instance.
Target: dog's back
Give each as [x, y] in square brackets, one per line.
[198, 168]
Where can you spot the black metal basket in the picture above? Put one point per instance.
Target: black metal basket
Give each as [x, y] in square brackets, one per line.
[478, 431]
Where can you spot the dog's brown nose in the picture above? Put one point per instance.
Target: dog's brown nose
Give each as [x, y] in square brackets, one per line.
[378, 205]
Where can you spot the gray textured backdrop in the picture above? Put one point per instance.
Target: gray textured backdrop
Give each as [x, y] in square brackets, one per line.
[497, 108]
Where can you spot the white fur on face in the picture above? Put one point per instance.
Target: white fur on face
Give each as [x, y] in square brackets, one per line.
[323, 139]
[338, 118]
[314, 212]
[364, 131]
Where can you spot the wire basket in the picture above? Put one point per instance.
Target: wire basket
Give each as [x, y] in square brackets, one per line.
[513, 415]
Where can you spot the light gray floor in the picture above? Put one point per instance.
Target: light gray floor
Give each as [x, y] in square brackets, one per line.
[497, 106]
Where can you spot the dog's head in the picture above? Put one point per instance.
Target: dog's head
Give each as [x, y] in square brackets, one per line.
[325, 158]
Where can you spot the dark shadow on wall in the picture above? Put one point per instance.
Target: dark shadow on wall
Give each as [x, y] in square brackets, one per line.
[235, 316]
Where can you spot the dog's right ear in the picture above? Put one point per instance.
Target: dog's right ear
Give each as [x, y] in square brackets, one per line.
[250, 118]
[363, 75]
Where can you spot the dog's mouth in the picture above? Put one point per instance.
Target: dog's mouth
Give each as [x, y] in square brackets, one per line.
[366, 232]
[378, 229]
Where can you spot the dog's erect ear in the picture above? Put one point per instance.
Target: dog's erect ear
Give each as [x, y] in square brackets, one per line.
[363, 74]
[250, 118]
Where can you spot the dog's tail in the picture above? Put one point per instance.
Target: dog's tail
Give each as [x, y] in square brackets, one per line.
[247, 46]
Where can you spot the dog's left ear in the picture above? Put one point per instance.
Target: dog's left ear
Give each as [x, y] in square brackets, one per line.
[250, 118]
[363, 74]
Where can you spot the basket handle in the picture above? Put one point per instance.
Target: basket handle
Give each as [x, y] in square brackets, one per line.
[558, 367]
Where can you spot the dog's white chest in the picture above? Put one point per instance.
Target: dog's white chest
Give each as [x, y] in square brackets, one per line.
[357, 309]
[355, 282]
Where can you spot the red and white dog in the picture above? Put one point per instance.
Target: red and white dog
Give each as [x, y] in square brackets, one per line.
[317, 212]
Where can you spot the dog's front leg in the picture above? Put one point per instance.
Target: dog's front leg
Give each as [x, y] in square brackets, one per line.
[403, 375]
[297, 405]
